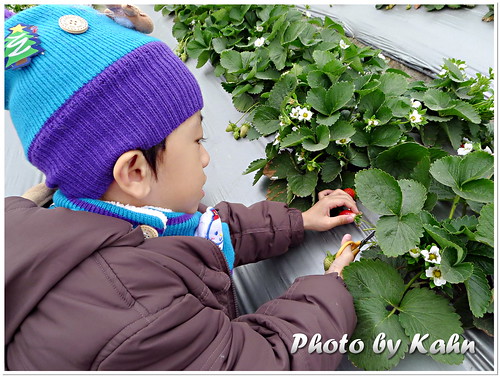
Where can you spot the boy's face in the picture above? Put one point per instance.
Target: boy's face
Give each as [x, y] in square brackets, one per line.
[180, 170]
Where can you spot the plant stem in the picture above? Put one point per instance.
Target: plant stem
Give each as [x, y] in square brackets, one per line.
[246, 112]
[368, 229]
[454, 206]
[410, 283]
[464, 208]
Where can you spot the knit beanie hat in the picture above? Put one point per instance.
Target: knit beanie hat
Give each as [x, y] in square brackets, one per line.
[90, 91]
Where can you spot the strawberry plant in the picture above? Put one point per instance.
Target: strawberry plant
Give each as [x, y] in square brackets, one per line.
[335, 115]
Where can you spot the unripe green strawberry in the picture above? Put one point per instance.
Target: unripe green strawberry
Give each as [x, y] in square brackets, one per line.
[244, 130]
[230, 127]
[327, 262]
[236, 134]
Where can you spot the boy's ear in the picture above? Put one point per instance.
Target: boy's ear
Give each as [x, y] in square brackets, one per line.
[132, 174]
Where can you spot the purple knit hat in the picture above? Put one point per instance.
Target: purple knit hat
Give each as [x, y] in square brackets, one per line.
[88, 97]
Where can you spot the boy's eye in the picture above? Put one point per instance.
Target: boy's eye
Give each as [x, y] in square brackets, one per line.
[201, 140]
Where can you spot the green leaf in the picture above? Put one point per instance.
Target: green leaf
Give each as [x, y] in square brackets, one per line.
[255, 165]
[467, 176]
[322, 139]
[219, 44]
[376, 288]
[476, 165]
[322, 58]
[371, 102]
[257, 88]
[266, 120]
[407, 160]
[478, 291]
[328, 121]
[240, 89]
[292, 139]
[480, 190]
[454, 273]
[303, 184]
[331, 100]
[385, 136]
[280, 166]
[293, 30]
[436, 99]
[317, 79]
[243, 102]
[357, 157]
[485, 228]
[331, 169]
[277, 54]
[398, 235]
[393, 84]
[341, 130]
[269, 74]
[445, 239]
[277, 191]
[461, 225]
[400, 107]
[464, 110]
[425, 312]
[281, 90]
[379, 192]
[231, 60]
[486, 324]
[414, 196]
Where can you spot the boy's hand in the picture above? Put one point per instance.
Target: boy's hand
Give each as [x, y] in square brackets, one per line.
[344, 259]
[318, 216]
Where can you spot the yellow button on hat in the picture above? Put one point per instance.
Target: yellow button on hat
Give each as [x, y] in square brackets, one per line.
[73, 24]
[149, 232]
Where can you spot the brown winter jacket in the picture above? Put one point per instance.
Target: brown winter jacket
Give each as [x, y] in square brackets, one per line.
[87, 292]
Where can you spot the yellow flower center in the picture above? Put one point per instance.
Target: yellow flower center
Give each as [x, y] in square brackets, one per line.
[432, 256]
[436, 273]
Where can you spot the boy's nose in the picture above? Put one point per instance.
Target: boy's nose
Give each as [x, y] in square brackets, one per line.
[205, 157]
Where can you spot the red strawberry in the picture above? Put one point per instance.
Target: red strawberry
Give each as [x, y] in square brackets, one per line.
[357, 217]
[351, 192]
[327, 262]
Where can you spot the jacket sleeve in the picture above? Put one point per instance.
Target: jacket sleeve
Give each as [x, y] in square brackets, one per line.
[206, 339]
[263, 230]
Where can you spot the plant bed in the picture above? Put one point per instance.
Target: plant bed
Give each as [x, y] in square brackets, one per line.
[336, 115]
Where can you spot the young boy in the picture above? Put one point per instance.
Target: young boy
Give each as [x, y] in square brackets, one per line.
[122, 272]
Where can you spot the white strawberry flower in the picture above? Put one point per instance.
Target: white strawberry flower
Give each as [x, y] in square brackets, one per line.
[435, 273]
[259, 28]
[307, 14]
[488, 150]
[343, 45]
[305, 114]
[294, 128]
[415, 117]
[415, 253]
[259, 42]
[465, 149]
[415, 104]
[276, 139]
[343, 141]
[382, 56]
[432, 256]
[300, 158]
[373, 122]
[295, 113]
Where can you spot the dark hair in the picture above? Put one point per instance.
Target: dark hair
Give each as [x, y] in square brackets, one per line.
[153, 155]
